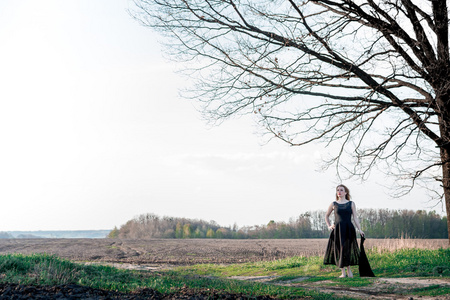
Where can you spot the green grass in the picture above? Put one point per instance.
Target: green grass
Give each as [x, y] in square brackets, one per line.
[294, 266]
[411, 262]
[41, 269]
[50, 270]
[432, 290]
[401, 263]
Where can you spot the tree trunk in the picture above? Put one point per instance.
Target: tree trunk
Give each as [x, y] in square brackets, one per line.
[444, 124]
[445, 158]
[442, 101]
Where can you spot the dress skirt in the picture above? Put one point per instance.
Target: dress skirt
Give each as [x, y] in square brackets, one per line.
[342, 249]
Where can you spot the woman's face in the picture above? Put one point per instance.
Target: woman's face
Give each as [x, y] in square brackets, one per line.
[340, 192]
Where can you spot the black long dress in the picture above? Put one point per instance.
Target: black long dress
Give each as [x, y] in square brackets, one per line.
[342, 249]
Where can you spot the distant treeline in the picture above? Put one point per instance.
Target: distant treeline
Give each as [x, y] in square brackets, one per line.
[380, 223]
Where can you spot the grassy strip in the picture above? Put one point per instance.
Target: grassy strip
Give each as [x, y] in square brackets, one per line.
[400, 263]
[41, 269]
[411, 262]
[432, 290]
[294, 266]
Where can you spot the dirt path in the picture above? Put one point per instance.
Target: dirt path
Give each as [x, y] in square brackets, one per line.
[381, 288]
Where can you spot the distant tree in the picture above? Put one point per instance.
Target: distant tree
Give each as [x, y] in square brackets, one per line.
[114, 233]
[240, 234]
[222, 233]
[210, 233]
[303, 224]
[168, 233]
[179, 231]
[187, 231]
[198, 233]
[126, 230]
[369, 76]
[270, 231]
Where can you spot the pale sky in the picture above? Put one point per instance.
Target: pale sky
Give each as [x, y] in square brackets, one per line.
[93, 133]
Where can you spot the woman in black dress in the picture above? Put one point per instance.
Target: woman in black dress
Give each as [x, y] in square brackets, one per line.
[342, 249]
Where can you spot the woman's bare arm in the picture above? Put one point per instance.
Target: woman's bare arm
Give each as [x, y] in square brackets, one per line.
[355, 218]
[327, 217]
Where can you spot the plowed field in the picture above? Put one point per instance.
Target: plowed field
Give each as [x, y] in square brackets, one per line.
[189, 251]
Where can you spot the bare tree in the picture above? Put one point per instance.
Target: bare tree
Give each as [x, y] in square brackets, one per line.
[369, 76]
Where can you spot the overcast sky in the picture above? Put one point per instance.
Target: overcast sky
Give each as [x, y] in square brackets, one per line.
[93, 132]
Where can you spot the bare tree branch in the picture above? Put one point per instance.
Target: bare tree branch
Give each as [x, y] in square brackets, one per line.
[369, 76]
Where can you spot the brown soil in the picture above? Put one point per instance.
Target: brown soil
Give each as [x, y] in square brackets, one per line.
[166, 251]
[189, 251]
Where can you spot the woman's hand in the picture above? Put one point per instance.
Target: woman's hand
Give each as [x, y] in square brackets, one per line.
[362, 233]
[331, 227]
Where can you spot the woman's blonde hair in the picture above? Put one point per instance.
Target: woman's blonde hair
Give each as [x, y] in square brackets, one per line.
[347, 195]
